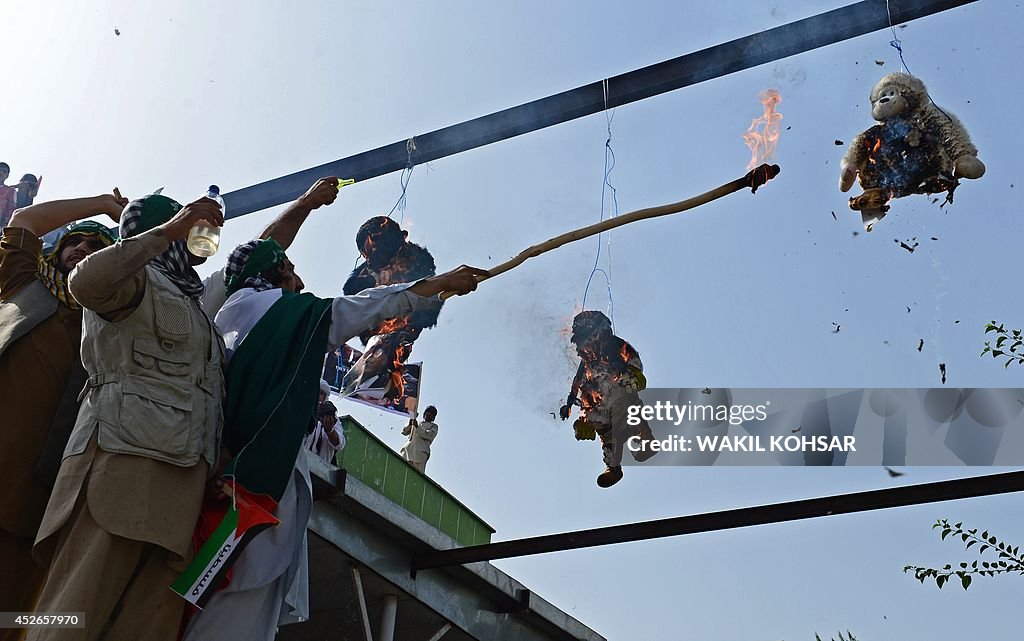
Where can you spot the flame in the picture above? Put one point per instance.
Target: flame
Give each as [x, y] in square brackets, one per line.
[763, 134]
[397, 373]
[392, 325]
[874, 150]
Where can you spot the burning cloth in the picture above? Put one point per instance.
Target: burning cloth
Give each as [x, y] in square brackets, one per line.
[916, 148]
[607, 383]
[389, 258]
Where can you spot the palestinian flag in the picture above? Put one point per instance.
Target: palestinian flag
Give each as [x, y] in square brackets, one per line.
[245, 517]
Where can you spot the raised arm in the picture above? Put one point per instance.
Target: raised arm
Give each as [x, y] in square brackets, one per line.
[43, 218]
[353, 315]
[112, 281]
[284, 228]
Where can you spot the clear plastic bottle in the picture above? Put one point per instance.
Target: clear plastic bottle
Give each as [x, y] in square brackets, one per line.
[203, 240]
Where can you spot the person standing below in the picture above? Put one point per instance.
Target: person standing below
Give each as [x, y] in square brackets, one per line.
[421, 435]
[127, 497]
[8, 195]
[40, 374]
[327, 437]
[276, 338]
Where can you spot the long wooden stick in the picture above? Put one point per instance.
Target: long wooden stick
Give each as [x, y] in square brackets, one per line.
[753, 179]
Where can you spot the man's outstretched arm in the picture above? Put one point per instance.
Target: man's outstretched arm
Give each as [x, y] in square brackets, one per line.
[353, 315]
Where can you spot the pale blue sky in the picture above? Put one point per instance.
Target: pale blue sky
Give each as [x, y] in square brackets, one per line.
[741, 293]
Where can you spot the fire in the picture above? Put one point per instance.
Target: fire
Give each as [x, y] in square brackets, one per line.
[763, 134]
[874, 150]
[624, 353]
[397, 373]
[392, 325]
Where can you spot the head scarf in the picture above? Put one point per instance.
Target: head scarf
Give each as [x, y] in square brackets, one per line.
[248, 261]
[49, 264]
[148, 213]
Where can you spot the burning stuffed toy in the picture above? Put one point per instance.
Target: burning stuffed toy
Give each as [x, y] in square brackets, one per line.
[916, 148]
[606, 385]
[388, 258]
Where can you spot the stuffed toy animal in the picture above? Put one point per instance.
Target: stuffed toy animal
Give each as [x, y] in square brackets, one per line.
[916, 148]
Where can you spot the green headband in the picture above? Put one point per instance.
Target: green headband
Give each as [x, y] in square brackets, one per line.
[93, 227]
[266, 254]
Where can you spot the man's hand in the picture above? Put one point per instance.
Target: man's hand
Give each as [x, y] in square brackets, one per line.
[563, 412]
[112, 205]
[323, 192]
[204, 210]
[458, 281]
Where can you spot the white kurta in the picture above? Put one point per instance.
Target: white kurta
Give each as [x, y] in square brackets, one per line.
[270, 581]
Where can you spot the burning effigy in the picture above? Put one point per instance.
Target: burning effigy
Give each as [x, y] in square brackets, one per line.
[388, 259]
[916, 148]
[606, 384]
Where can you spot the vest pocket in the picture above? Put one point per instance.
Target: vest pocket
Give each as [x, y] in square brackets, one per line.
[155, 415]
[151, 355]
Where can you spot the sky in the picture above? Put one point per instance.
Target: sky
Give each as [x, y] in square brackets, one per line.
[744, 292]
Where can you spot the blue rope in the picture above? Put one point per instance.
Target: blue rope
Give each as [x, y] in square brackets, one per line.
[897, 44]
[609, 165]
[410, 146]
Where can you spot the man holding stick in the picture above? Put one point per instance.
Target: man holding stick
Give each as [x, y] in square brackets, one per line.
[276, 338]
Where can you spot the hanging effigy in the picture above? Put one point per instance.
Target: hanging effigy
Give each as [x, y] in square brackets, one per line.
[388, 259]
[916, 148]
[606, 384]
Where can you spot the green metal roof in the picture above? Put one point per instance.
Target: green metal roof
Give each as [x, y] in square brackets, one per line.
[371, 461]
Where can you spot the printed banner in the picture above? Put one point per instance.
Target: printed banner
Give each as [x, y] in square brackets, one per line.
[891, 427]
[383, 393]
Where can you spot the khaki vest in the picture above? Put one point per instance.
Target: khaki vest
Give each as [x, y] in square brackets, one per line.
[156, 380]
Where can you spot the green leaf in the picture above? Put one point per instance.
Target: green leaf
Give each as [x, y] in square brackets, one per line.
[992, 540]
[982, 549]
[969, 544]
[940, 581]
[1001, 340]
[945, 533]
[965, 581]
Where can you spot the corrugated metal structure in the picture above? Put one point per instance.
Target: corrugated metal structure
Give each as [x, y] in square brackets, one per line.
[368, 459]
[371, 516]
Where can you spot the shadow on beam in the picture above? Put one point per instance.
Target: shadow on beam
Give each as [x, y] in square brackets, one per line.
[728, 519]
[720, 60]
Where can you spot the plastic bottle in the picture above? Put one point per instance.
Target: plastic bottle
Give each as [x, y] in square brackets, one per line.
[203, 240]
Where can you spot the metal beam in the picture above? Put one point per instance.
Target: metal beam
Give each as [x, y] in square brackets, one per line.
[728, 519]
[743, 53]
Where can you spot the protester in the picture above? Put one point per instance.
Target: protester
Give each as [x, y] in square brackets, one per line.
[327, 438]
[128, 493]
[28, 189]
[40, 333]
[8, 195]
[421, 435]
[276, 340]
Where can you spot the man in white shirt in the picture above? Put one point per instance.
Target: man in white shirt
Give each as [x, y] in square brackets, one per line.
[421, 435]
[327, 437]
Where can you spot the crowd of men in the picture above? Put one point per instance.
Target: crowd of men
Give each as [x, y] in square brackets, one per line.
[140, 397]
